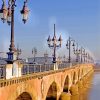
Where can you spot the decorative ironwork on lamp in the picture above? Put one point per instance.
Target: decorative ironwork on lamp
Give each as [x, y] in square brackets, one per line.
[25, 12]
[54, 43]
[70, 42]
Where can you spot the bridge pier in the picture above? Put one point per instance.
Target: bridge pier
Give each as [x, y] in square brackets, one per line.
[65, 96]
[87, 79]
[80, 85]
[13, 70]
[74, 89]
[55, 66]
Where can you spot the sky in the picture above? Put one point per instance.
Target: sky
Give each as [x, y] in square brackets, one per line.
[79, 19]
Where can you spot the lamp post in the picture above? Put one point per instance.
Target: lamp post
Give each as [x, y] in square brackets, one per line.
[68, 45]
[45, 56]
[89, 58]
[86, 55]
[82, 53]
[54, 43]
[19, 51]
[92, 60]
[34, 52]
[64, 58]
[7, 14]
[77, 52]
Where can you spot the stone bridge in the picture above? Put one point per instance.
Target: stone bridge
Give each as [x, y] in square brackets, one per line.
[49, 85]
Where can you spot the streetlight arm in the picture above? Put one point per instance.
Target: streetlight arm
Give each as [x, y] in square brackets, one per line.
[52, 46]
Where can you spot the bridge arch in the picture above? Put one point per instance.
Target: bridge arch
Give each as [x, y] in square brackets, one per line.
[52, 92]
[82, 73]
[24, 96]
[66, 84]
[74, 78]
[22, 89]
[79, 74]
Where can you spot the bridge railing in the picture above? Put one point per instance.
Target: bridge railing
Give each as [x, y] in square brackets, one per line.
[63, 65]
[35, 68]
[24, 78]
[2, 71]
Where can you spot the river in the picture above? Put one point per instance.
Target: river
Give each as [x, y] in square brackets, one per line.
[94, 93]
[93, 90]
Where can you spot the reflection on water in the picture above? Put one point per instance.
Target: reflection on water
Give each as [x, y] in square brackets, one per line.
[91, 90]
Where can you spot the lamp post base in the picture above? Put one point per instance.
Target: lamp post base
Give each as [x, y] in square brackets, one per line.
[12, 56]
[54, 60]
[55, 66]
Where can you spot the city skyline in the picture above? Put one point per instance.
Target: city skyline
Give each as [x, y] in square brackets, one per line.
[78, 19]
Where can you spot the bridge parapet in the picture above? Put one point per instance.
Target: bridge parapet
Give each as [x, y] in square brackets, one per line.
[26, 77]
[30, 76]
[19, 69]
[34, 68]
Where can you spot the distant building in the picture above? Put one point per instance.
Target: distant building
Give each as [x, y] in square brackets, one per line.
[40, 60]
[3, 61]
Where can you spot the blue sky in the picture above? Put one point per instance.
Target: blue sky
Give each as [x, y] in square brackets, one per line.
[78, 18]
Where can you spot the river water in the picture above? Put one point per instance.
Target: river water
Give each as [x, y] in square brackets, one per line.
[94, 93]
[93, 89]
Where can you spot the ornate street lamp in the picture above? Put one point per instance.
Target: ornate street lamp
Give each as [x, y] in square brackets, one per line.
[70, 42]
[54, 43]
[34, 52]
[64, 58]
[82, 53]
[77, 52]
[3, 12]
[46, 57]
[25, 12]
[89, 58]
[8, 15]
[19, 51]
[85, 56]
[92, 60]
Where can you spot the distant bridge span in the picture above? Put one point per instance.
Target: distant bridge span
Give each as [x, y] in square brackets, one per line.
[43, 85]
